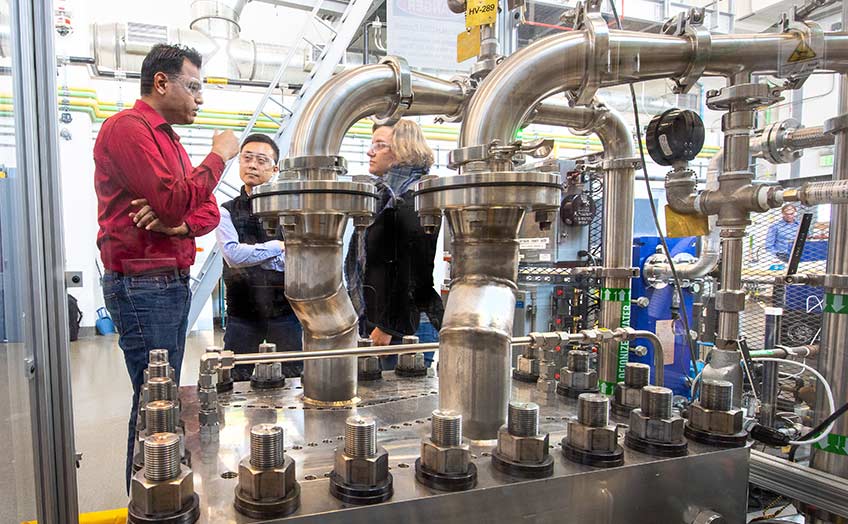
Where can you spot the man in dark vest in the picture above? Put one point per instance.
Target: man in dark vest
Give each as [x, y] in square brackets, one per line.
[254, 265]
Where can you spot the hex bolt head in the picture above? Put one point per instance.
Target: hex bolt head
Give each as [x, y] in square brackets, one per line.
[267, 347]
[446, 428]
[266, 446]
[360, 437]
[155, 356]
[593, 410]
[523, 419]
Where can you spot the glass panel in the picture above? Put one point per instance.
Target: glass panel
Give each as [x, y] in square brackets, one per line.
[17, 482]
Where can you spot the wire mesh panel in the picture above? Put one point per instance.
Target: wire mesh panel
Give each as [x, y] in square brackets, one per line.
[767, 247]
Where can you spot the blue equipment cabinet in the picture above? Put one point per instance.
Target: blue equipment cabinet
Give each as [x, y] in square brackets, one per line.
[660, 310]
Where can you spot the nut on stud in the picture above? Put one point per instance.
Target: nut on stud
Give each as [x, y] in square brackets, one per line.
[522, 451]
[368, 368]
[163, 490]
[577, 377]
[267, 375]
[266, 482]
[445, 462]
[654, 429]
[591, 439]
[712, 419]
[627, 395]
[361, 468]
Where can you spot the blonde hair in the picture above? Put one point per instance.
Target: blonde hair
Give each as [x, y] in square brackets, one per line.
[409, 146]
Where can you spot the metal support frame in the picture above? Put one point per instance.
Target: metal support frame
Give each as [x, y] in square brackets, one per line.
[36, 128]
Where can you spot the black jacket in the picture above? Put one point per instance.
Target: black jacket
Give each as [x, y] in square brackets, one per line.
[398, 277]
[252, 292]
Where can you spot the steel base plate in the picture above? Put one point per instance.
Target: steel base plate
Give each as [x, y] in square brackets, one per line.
[257, 509]
[361, 495]
[524, 377]
[594, 459]
[518, 469]
[446, 482]
[737, 440]
[188, 515]
[657, 449]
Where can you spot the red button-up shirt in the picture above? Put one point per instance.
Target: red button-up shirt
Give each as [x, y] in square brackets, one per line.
[138, 155]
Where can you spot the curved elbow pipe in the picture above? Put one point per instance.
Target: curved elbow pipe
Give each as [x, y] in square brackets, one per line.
[558, 63]
[360, 93]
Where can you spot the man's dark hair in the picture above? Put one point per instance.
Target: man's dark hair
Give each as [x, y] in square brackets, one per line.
[265, 139]
[168, 59]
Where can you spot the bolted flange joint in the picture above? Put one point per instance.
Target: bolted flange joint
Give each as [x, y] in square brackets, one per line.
[712, 419]
[163, 490]
[267, 487]
[522, 451]
[577, 377]
[654, 428]
[445, 462]
[361, 468]
[591, 439]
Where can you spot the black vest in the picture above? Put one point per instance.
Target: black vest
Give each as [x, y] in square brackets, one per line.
[253, 292]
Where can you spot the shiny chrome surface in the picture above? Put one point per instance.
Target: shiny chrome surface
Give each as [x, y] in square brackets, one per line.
[637, 493]
[359, 93]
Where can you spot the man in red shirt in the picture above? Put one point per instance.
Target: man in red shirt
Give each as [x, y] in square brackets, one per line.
[151, 204]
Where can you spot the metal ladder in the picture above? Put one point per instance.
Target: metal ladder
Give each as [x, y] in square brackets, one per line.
[331, 53]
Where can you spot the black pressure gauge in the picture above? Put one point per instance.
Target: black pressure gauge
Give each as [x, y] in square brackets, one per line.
[577, 210]
[675, 135]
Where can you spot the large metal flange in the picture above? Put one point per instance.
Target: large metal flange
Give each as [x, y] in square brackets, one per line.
[289, 197]
[188, 515]
[589, 18]
[690, 26]
[534, 190]
[258, 509]
[750, 96]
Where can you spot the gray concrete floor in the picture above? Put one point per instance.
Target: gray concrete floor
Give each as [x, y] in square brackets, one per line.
[102, 395]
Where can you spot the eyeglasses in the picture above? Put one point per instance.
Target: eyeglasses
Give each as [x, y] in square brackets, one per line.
[378, 146]
[261, 160]
[194, 87]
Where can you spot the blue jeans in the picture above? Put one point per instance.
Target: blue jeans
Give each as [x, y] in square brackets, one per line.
[243, 335]
[426, 333]
[150, 312]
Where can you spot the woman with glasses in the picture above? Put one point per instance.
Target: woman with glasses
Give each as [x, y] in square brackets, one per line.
[389, 267]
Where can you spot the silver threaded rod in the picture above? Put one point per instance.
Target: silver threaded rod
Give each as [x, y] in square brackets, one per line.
[593, 410]
[656, 402]
[636, 375]
[523, 419]
[266, 446]
[161, 417]
[157, 356]
[447, 428]
[360, 437]
[160, 388]
[161, 457]
[158, 369]
[578, 360]
[717, 395]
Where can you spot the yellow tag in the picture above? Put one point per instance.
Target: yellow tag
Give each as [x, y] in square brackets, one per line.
[481, 12]
[2, 174]
[468, 44]
[678, 225]
[801, 53]
[216, 80]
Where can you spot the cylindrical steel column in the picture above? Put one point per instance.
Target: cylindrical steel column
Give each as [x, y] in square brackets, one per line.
[833, 359]
[770, 383]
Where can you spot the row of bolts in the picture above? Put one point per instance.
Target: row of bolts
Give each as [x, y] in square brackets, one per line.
[162, 447]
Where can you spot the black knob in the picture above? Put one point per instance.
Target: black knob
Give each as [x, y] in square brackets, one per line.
[675, 135]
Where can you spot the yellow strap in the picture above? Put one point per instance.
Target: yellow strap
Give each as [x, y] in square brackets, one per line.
[111, 516]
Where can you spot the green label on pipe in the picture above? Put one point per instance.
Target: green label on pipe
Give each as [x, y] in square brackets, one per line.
[835, 444]
[834, 303]
[617, 294]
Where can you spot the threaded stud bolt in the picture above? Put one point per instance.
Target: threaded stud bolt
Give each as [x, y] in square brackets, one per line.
[360, 437]
[523, 419]
[447, 428]
[266, 446]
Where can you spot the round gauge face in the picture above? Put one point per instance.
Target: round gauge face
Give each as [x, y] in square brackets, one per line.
[577, 210]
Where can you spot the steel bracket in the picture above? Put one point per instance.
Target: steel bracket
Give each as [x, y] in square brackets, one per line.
[833, 282]
[751, 96]
[588, 17]
[404, 95]
[797, 62]
[622, 163]
[690, 26]
[496, 151]
[730, 301]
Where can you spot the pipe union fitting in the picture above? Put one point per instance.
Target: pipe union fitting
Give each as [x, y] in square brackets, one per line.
[266, 484]
[627, 396]
[547, 369]
[207, 380]
[528, 366]
[163, 497]
[364, 471]
[665, 430]
[208, 418]
[603, 439]
[579, 380]
[207, 397]
[714, 421]
[531, 450]
[445, 460]
[544, 340]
